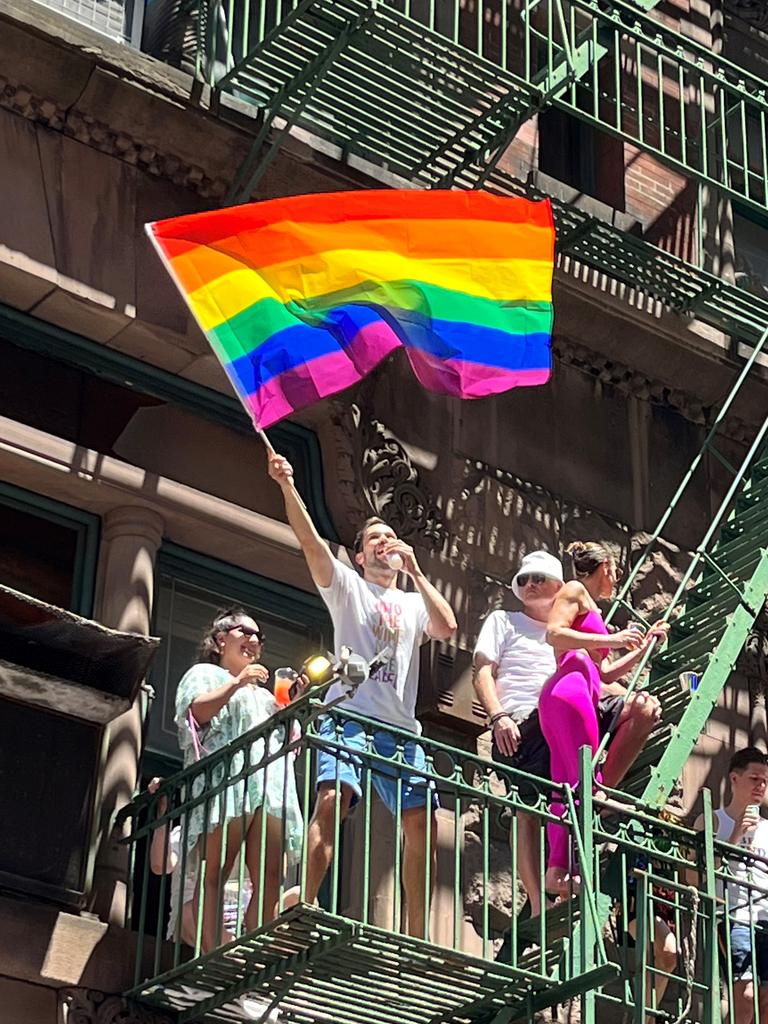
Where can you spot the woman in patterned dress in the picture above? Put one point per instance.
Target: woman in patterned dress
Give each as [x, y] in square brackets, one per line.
[222, 697]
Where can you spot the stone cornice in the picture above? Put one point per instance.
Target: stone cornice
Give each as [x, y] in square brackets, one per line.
[87, 129]
[630, 382]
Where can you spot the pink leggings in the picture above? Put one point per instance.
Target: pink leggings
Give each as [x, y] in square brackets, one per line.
[568, 717]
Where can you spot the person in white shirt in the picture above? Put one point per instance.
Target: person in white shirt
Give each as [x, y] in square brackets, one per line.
[369, 612]
[741, 824]
[512, 661]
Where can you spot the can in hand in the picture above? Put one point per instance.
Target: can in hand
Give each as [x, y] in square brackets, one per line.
[752, 810]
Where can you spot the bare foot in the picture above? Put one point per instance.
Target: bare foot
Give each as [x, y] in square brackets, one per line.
[557, 880]
[290, 898]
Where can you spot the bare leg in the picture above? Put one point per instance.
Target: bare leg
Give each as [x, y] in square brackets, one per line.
[743, 1010]
[272, 869]
[188, 922]
[415, 824]
[322, 834]
[636, 723]
[664, 959]
[762, 1004]
[528, 859]
[215, 867]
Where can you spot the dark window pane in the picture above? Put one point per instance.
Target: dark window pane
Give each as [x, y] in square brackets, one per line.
[47, 762]
[37, 555]
[82, 408]
[181, 614]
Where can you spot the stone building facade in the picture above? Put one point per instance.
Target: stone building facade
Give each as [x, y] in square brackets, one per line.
[135, 493]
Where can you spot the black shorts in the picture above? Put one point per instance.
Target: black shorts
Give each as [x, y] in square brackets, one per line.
[532, 755]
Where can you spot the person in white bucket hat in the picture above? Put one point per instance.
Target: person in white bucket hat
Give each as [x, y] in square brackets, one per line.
[512, 661]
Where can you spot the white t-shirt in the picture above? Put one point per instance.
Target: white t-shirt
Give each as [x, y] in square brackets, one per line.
[517, 644]
[755, 873]
[367, 618]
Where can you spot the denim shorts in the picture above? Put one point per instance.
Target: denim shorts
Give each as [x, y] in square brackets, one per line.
[346, 768]
[741, 952]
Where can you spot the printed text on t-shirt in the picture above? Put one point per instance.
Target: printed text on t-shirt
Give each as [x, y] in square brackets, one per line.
[387, 632]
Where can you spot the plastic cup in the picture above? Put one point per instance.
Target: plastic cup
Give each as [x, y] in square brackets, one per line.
[284, 680]
[395, 561]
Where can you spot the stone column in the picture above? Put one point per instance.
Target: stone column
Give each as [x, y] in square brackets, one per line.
[130, 539]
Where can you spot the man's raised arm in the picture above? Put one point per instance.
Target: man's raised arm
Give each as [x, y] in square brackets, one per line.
[316, 551]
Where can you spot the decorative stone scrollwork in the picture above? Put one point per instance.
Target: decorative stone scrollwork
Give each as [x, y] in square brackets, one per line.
[754, 12]
[393, 487]
[753, 661]
[389, 482]
[89, 1006]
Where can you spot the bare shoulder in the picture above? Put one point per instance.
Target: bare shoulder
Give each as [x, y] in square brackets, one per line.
[574, 591]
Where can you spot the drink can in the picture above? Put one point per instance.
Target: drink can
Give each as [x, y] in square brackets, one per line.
[690, 681]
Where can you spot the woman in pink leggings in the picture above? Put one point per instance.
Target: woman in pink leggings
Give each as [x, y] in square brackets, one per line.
[568, 701]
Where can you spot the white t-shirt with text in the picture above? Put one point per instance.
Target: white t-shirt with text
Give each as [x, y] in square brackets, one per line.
[367, 618]
[517, 644]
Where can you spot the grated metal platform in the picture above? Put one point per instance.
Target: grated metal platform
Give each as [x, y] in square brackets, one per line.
[318, 967]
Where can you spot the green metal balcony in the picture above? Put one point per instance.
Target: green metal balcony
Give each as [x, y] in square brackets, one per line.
[334, 961]
[327, 963]
[432, 92]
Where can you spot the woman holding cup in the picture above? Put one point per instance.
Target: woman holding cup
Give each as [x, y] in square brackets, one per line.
[568, 701]
[221, 698]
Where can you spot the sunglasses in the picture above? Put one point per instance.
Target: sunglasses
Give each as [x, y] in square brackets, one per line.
[531, 577]
[248, 631]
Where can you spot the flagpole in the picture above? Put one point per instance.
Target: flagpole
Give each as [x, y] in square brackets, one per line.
[270, 452]
[267, 443]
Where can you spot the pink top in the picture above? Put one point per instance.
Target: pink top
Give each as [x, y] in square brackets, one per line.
[592, 622]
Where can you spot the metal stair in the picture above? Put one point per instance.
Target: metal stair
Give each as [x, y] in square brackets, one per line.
[320, 966]
[707, 638]
[712, 610]
[385, 88]
[405, 91]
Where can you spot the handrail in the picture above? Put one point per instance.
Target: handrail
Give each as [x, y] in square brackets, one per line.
[699, 554]
[624, 590]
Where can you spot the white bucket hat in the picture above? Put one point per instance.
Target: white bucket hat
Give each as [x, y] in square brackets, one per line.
[538, 562]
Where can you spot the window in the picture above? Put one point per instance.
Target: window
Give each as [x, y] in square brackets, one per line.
[189, 589]
[750, 237]
[47, 549]
[148, 417]
[582, 156]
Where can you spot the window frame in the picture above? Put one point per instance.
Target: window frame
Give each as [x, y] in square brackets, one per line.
[298, 442]
[250, 589]
[87, 526]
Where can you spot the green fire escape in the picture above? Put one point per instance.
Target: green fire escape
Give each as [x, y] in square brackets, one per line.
[423, 92]
[416, 90]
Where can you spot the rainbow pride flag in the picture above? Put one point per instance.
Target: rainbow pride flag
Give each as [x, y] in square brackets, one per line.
[303, 297]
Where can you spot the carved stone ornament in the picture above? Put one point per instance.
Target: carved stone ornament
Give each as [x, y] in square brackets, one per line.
[89, 1006]
[387, 480]
[755, 12]
[753, 661]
